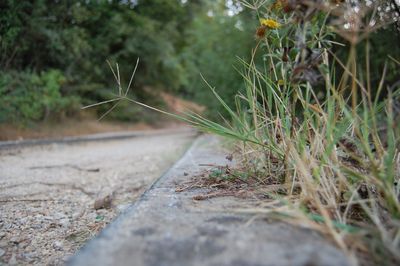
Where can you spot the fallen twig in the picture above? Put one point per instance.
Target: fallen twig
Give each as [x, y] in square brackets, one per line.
[66, 165]
[29, 200]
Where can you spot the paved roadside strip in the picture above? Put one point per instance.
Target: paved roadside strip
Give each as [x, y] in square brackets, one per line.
[91, 137]
[168, 228]
[54, 198]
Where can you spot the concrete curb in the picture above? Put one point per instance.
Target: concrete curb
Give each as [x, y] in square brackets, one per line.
[88, 138]
[168, 228]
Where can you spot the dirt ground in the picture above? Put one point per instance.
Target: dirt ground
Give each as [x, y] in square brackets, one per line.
[87, 123]
[55, 198]
[69, 127]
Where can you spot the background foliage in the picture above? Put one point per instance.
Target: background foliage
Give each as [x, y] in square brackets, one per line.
[68, 42]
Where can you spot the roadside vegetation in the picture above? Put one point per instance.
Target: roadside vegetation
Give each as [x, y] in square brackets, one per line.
[317, 120]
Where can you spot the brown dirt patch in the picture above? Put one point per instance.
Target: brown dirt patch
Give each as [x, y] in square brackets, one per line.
[222, 181]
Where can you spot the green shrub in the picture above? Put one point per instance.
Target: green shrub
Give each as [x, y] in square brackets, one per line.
[27, 96]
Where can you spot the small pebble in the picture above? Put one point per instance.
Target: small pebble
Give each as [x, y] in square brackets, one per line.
[29, 257]
[103, 203]
[15, 240]
[23, 244]
[77, 215]
[64, 223]
[36, 226]
[2, 252]
[3, 244]
[57, 245]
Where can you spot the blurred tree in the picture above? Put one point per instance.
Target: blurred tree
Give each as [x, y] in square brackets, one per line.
[77, 37]
[216, 37]
[174, 39]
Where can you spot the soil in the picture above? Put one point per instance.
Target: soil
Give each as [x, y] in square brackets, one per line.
[86, 122]
[222, 181]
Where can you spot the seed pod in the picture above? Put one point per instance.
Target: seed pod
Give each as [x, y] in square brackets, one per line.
[260, 33]
[285, 55]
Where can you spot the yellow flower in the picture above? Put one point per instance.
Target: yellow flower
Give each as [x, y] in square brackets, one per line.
[281, 82]
[270, 23]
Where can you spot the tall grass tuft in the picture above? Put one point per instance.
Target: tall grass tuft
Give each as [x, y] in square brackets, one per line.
[335, 138]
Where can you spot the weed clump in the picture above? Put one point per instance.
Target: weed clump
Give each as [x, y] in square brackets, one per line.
[316, 122]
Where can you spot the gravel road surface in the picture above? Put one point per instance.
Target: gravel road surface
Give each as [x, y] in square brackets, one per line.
[54, 198]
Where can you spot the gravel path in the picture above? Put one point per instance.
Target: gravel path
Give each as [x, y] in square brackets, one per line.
[56, 197]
